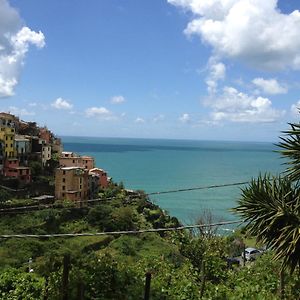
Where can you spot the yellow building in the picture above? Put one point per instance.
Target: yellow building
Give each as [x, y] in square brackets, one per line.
[7, 134]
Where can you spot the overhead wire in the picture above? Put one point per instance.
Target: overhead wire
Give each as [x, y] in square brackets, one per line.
[124, 232]
[59, 206]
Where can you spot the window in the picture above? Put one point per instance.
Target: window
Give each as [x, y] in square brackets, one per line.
[63, 194]
[64, 172]
[64, 180]
[11, 138]
[63, 187]
[80, 187]
[73, 161]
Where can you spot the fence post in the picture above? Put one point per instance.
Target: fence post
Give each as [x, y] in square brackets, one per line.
[244, 255]
[65, 277]
[147, 286]
[281, 288]
[46, 288]
[202, 289]
[80, 290]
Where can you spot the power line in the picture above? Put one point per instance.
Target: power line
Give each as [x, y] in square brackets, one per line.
[64, 235]
[54, 205]
[198, 188]
[59, 206]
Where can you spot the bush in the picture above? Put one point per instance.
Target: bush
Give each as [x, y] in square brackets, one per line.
[19, 285]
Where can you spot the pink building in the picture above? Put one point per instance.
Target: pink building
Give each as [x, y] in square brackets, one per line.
[13, 169]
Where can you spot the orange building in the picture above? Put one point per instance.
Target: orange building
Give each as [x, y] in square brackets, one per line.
[71, 159]
[88, 162]
[71, 183]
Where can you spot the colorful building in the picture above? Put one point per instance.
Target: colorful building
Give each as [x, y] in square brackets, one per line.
[57, 147]
[1, 156]
[46, 154]
[13, 169]
[88, 162]
[23, 147]
[102, 175]
[71, 159]
[71, 183]
[93, 187]
[7, 133]
[46, 135]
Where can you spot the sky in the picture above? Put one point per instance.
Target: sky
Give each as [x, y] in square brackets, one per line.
[178, 69]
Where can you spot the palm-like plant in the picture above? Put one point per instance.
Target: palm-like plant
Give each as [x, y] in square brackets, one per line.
[290, 145]
[271, 208]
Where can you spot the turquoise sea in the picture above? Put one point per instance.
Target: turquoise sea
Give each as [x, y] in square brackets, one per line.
[160, 165]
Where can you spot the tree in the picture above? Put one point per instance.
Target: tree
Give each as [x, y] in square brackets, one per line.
[271, 205]
[4, 195]
[290, 145]
[271, 208]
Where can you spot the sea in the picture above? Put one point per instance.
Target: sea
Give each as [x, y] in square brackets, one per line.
[158, 165]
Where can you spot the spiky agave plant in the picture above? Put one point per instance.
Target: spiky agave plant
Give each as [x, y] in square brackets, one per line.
[271, 208]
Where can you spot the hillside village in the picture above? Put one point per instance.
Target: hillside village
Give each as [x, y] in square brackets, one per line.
[29, 154]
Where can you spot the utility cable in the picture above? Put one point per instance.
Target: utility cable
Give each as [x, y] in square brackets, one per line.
[59, 206]
[198, 188]
[128, 232]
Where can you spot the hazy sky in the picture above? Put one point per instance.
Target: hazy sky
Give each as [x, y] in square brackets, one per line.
[196, 69]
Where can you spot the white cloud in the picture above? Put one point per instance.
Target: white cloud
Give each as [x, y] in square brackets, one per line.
[20, 111]
[217, 71]
[100, 113]
[14, 44]
[117, 99]
[185, 118]
[61, 103]
[233, 105]
[270, 86]
[139, 120]
[295, 109]
[255, 32]
[158, 118]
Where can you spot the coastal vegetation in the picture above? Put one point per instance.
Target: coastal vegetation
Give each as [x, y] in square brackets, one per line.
[184, 264]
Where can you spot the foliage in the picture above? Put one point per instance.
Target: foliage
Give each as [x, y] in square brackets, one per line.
[36, 168]
[183, 265]
[19, 285]
[4, 195]
[271, 206]
[290, 144]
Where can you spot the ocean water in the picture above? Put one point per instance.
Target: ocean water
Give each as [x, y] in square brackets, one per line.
[156, 165]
